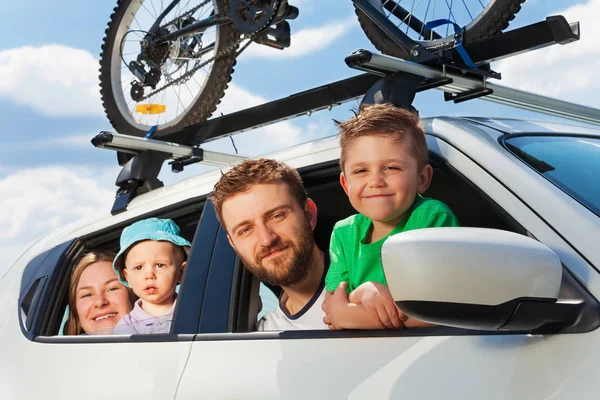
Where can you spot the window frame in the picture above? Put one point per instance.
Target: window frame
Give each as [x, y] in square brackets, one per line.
[60, 260]
[503, 142]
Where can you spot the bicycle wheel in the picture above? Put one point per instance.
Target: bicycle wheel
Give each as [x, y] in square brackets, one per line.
[191, 81]
[480, 20]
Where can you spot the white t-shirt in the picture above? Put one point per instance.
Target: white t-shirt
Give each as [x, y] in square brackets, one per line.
[310, 317]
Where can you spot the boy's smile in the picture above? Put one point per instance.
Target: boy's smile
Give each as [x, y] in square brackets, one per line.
[382, 178]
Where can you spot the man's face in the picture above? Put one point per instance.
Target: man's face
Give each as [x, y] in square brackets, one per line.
[271, 232]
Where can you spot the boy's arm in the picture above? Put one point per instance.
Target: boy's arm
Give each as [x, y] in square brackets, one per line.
[377, 300]
[341, 314]
[338, 267]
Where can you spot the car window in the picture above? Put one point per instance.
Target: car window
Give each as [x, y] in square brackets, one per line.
[572, 163]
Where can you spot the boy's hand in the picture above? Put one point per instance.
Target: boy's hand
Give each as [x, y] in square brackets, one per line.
[334, 306]
[377, 300]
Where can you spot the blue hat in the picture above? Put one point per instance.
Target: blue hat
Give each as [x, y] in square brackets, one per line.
[147, 229]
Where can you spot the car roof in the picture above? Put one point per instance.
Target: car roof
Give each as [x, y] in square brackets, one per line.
[506, 126]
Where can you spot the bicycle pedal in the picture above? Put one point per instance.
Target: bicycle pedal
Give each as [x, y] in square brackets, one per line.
[292, 12]
[278, 36]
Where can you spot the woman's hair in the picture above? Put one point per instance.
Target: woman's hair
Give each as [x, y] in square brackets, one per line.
[73, 324]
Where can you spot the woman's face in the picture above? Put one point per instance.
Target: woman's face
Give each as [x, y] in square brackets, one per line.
[101, 300]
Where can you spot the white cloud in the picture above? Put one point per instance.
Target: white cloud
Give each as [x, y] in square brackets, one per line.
[54, 80]
[567, 72]
[304, 41]
[260, 140]
[38, 200]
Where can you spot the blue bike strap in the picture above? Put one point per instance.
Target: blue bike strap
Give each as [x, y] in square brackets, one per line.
[151, 132]
[459, 43]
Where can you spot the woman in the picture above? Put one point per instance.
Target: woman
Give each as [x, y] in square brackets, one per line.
[97, 300]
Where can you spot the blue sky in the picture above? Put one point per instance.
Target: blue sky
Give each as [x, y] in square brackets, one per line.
[49, 109]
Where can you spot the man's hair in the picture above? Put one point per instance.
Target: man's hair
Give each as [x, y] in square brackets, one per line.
[256, 172]
[384, 119]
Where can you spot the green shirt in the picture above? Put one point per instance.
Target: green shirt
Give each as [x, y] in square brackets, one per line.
[357, 262]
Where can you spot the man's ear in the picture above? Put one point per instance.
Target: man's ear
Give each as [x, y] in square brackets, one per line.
[425, 179]
[310, 208]
[344, 182]
[230, 241]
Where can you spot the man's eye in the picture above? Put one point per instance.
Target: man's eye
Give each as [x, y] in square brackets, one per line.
[243, 231]
[393, 167]
[137, 268]
[359, 171]
[278, 216]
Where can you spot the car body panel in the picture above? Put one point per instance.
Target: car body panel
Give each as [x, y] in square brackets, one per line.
[524, 367]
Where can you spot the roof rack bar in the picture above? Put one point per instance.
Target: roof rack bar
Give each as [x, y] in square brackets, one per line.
[136, 145]
[306, 102]
[382, 65]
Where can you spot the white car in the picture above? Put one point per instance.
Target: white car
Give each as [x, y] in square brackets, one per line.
[518, 300]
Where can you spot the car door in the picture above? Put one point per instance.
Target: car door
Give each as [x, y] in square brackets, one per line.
[37, 365]
[413, 364]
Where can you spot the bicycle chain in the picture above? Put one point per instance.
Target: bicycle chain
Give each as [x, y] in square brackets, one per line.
[232, 47]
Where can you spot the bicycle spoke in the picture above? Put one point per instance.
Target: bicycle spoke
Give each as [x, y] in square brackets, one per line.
[467, 8]
[425, 19]
[146, 8]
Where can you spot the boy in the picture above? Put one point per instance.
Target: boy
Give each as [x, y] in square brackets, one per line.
[385, 168]
[151, 261]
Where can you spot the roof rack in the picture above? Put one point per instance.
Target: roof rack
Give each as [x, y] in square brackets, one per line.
[388, 79]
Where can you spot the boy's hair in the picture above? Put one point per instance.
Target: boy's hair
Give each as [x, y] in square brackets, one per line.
[256, 172]
[384, 119]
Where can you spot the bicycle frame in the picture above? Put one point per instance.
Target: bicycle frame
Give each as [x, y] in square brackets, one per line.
[152, 39]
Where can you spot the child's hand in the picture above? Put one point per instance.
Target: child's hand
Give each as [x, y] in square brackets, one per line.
[334, 306]
[377, 300]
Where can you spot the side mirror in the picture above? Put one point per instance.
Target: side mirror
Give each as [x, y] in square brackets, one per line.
[472, 278]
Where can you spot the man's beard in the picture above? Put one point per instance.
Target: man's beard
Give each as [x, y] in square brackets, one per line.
[285, 270]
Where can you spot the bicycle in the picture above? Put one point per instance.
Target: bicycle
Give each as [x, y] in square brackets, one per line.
[167, 66]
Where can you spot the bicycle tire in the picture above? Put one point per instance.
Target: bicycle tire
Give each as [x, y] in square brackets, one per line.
[491, 21]
[199, 109]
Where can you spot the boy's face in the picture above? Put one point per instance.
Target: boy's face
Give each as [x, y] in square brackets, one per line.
[382, 178]
[153, 269]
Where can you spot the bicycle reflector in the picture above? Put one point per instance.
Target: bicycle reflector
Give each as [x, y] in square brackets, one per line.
[150, 109]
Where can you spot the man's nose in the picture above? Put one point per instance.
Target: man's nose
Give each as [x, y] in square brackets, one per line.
[266, 235]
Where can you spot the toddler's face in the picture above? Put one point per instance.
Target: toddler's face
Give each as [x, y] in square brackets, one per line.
[381, 177]
[153, 269]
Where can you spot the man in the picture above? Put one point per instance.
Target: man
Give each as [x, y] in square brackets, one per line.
[269, 219]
